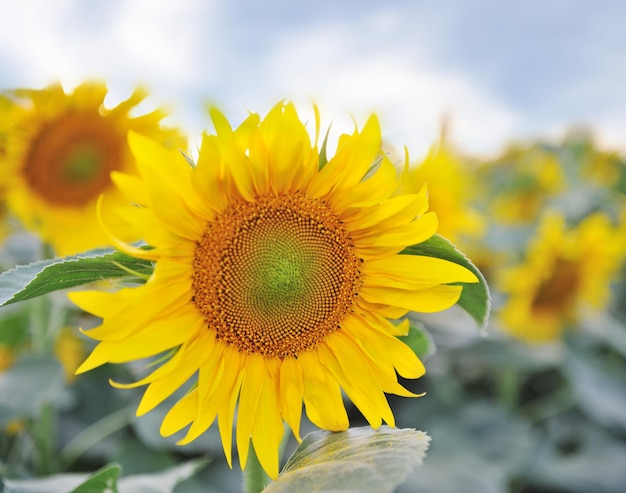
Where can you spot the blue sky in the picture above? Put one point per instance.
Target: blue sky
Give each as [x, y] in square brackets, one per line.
[498, 70]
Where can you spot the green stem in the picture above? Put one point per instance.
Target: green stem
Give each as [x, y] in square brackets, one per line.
[508, 390]
[45, 438]
[254, 477]
[94, 434]
[39, 308]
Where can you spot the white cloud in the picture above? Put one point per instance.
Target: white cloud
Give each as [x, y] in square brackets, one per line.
[30, 40]
[137, 41]
[410, 96]
[380, 60]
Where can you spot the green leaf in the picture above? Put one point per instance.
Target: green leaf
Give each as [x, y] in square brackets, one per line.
[475, 298]
[27, 385]
[101, 481]
[161, 482]
[39, 278]
[359, 459]
[419, 340]
[106, 480]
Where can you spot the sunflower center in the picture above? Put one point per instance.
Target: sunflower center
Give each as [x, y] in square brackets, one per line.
[275, 276]
[70, 160]
[556, 293]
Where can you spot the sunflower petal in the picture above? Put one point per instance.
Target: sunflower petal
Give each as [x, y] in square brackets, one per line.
[350, 368]
[322, 394]
[291, 394]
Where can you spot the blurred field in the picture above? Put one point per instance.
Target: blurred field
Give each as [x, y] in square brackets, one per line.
[533, 403]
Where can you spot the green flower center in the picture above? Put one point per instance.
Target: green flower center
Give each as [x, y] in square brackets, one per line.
[275, 276]
[280, 276]
[83, 165]
[70, 160]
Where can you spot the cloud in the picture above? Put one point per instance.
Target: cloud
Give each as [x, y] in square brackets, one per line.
[125, 42]
[385, 58]
[327, 64]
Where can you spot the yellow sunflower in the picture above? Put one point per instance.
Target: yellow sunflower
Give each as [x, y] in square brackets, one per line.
[565, 271]
[275, 281]
[60, 153]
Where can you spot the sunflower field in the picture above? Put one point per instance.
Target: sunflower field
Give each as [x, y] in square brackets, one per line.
[276, 310]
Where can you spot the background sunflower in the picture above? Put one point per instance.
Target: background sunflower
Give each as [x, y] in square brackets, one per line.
[60, 153]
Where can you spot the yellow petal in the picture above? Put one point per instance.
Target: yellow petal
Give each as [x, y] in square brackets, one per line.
[162, 335]
[208, 180]
[390, 213]
[268, 429]
[291, 394]
[226, 414]
[429, 300]
[215, 382]
[132, 187]
[292, 161]
[413, 272]
[350, 368]
[412, 233]
[170, 377]
[322, 394]
[372, 333]
[181, 414]
[355, 155]
[94, 302]
[167, 175]
[367, 193]
[254, 375]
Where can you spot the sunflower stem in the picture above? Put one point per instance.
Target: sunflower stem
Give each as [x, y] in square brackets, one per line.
[95, 433]
[44, 434]
[254, 477]
[38, 315]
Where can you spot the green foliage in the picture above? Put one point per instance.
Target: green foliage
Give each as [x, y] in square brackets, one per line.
[475, 298]
[107, 480]
[359, 459]
[504, 416]
[39, 278]
[102, 481]
[31, 382]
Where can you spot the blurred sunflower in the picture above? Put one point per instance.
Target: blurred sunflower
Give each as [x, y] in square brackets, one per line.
[276, 275]
[6, 112]
[60, 154]
[449, 193]
[6, 357]
[70, 351]
[521, 182]
[565, 271]
[603, 167]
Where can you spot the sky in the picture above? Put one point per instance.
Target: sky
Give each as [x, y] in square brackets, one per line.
[494, 70]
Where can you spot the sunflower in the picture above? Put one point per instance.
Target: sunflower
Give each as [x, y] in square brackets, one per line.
[60, 153]
[276, 277]
[565, 271]
[521, 183]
